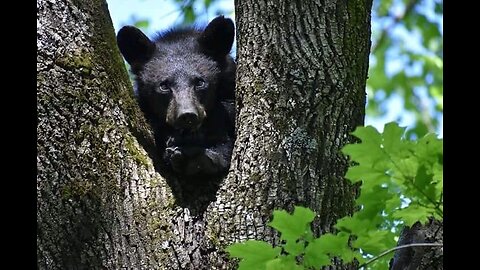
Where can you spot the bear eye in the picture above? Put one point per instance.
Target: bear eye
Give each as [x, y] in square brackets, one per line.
[200, 83]
[164, 87]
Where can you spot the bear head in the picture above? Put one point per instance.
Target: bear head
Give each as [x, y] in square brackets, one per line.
[182, 74]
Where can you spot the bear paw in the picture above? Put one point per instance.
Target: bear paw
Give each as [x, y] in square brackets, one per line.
[175, 157]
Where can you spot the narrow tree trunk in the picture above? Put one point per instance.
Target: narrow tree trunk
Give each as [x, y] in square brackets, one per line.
[427, 258]
[302, 69]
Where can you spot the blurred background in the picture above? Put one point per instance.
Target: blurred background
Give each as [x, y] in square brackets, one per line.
[405, 81]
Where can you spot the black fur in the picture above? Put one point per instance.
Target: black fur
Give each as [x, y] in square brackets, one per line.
[185, 82]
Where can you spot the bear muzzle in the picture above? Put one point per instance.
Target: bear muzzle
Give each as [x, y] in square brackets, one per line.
[187, 120]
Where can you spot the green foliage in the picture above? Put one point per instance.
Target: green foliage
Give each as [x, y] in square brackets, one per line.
[409, 34]
[294, 226]
[392, 165]
[297, 242]
[254, 253]
[402, 183]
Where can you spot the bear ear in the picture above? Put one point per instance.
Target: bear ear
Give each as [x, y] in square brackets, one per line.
[135, 47]
[217, 38]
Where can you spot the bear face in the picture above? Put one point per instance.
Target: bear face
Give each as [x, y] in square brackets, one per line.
[185, 81]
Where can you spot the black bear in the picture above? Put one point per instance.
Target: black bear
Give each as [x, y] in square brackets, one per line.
[185, 83]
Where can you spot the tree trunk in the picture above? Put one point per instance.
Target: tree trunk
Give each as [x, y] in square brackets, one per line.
[427, 258]
[302, 68]
[98, 195]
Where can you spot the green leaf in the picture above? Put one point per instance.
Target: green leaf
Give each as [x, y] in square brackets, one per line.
[392, 204]
[414, 213]
[429, 29]
[428, 149]
[304, 214]
[319, 251]
[254, 251]
[369, 151]
[392, 138]
[353, 225]
[439, 7]
[424, 182]
[382, 263]
[251, 265]
[373, 202]
[336, 245]
[142, 24]
[292, 227]
[377, 78]
[370, 176]
[284, 263]
[438, 180]
[404, 169]
[294, 248]
[394, 172]
[368, 134]
[315, 256]
[375, 242]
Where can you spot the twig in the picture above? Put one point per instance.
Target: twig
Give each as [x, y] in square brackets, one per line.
[400, 247]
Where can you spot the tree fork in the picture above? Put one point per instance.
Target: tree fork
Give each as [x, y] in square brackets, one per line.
[302, 69]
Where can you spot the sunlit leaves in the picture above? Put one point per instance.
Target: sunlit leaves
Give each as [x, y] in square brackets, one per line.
[402, 183]
[282, 263]
[299, 250]
[413, 213]
[374, 242]
[293, 226]
[389, 164]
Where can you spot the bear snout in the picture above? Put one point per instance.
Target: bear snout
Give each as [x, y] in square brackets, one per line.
[187, 120]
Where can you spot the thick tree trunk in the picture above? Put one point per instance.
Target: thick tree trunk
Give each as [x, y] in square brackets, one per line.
[98, 195]
[302, 69]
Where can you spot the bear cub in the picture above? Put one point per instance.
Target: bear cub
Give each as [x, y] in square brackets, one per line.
[185, 83]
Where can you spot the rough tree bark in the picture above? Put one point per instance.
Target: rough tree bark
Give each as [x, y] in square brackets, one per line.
[302, 68]
[428, 258]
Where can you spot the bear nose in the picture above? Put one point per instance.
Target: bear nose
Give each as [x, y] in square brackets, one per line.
[187, 120]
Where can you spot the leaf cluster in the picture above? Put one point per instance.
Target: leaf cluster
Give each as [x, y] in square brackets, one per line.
[401, 183]
[298, 248]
